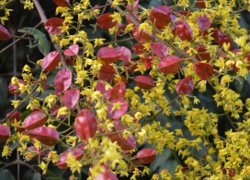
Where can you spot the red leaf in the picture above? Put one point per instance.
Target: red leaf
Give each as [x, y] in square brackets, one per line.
[117, 113]
[118, 91]
[46, 135]
[76, 152]
[184, 31]
[34, 120]
[72, 50]
[146, 156]
[62, 3]
[50, 61]
[71, 98]
[170, 64]
[105, 21]
[160, 16]
[14, 88]
[129, 67]
[185, 86]
[125, 54]
[142, 37]
[63, 80]
[126, 144]
[226, 39]
[204, 70]
[159, 49]
[4, 33]
[202, 53]
[4, 133]
[101, 86]
[52, 25]
[134, 6]
[108, 54]
[86, 124]
[204, 22]
[106, 73]
[144, 82]
[16, 115]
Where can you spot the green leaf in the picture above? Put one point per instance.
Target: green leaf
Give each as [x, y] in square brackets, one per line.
[5, 174]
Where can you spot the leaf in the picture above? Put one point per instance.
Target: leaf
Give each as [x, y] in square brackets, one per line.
[14, 88]
[147, 62]
[204, 22]
[101, 86]
[5, 174]
[115, 113]
[50, 61]
[108, 54]
[34, 120]
[53, 25]
[106, 73]
[72, 50]
[86, 124]
[204, 70]
[144, 82]
[63, 80]
[202, 53]
[125, 54]
[105, 21]
[159, 49]
[62, 3]
[160, 16]
[185, 86]
[4, 33]
[138, 48]
[71, 98]
[142, 37]
[170, 64]
[46, 135]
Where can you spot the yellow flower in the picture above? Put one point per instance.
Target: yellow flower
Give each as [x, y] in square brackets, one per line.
[73, 163]
[44, 167]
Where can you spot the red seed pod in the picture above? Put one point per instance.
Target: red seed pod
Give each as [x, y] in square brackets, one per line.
[34, 120]
[72, 50]
[200, 3]
[108, 54]
[146, 156]
[76, 152]
[142, 37]
[50, 61]
[126, 144]
[4, 133]
[37, 153]
[46, 135]
[4, 33]
[52, 25]
[204, 70]
[105, 21]
[202, 53]
[85, 124]
[226, 39]
[101, 86]
[71, 98]
[144, 82]
[125, 54]
[184, 31]
[106, 73]
[185, 86]
[147, 62]
[138, 49]
[170, 64]
[106, 175]
[16, 115]
[117, 113]
[159, 49]
[14, 88]
[160, 16]
[217, 35]
[118, 91]
[63, 80]
[231, 173]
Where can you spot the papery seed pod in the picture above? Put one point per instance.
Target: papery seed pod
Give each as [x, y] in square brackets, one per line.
[184, 31]
[204, 70]
[170, 64]
[50, 61]
[34, 120]
[108, 54]
[146, 156]
[85, 124]
[4, 133]
[160, 16]
[144, 82]
[185, 86]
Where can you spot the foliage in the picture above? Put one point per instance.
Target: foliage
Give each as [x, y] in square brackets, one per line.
[128, 85]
